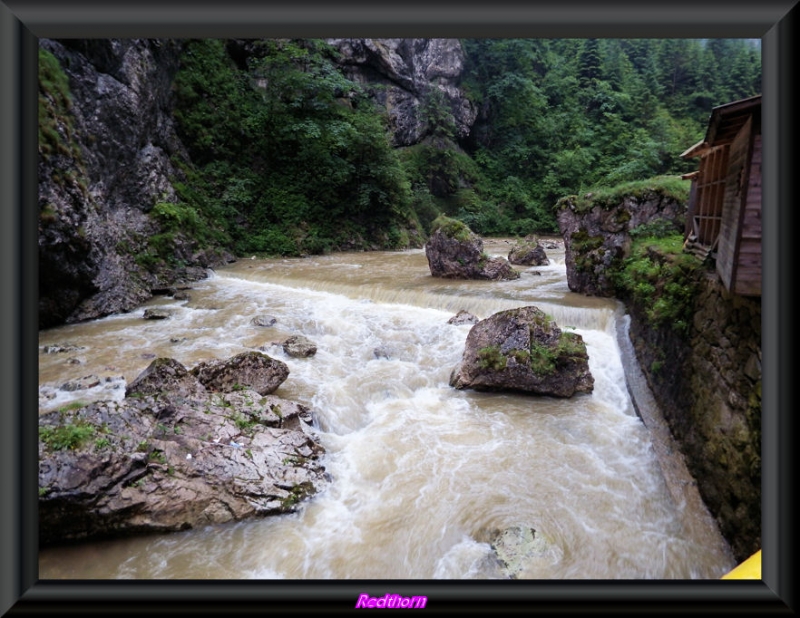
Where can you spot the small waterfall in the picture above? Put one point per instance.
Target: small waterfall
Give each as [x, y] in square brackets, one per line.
[423, 474]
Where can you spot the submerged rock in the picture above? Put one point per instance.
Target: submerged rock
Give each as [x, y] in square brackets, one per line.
[524, 350]
[463, 317]
[173, 456]
[58, 348]
[157, 313]
[521, 551]
[80, 384]
[263, 320]
[299, 346]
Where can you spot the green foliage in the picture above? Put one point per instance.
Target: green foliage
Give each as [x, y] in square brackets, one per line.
[67, 436]
[672, 187]
[290, 157]
[522, 357]
[297, 493]
[542, 359]
[570, 345]
[492, 358]
[435, 113]
[245, 422]
[452, 228]
[55, 105]
[174, 217]
[73, 405]
[661, 280]
[561, 116]
[157, 456]
[293, 158]
[657, 228]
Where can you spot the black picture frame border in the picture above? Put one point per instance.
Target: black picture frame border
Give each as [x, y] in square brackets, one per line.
[23, 22]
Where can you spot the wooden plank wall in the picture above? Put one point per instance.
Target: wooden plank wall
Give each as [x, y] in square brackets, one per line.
[748, 271]
[735, 184]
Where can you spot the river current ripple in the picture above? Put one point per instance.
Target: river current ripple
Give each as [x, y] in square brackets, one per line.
[423, 475]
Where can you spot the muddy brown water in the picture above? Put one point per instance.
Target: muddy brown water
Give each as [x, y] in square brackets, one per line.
[423, 475]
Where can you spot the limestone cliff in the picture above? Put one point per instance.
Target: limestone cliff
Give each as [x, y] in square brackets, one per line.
[403, 74]
[106, 149]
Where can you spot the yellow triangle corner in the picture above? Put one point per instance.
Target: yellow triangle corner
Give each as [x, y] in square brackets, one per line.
[749, 569]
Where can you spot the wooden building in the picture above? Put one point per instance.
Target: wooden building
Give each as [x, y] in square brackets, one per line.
[724, 213]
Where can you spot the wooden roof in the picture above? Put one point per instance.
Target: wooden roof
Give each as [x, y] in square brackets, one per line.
[695, 150]
[725, 122]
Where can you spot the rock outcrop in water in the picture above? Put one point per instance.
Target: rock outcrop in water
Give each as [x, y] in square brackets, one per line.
[523, 551]
[524, 350]
[174, 454]
[456, 252]
[528, 252]
[597, 236]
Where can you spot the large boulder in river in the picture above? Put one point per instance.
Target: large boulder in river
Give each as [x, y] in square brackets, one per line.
[524, 350]
[528, 252]
[456, 252]
[253, 370]
[159, 461]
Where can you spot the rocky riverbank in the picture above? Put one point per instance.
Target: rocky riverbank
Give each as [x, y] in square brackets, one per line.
[183, 449]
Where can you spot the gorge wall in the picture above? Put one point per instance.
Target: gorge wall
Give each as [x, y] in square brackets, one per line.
[107, 148]
[109, 153]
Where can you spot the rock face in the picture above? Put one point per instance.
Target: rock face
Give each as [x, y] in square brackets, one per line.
[406, 70]
[528, 252]
[173, 455]
[598, 237]
[455, 252]
[711, 399]
[105, 160]
[524, 350]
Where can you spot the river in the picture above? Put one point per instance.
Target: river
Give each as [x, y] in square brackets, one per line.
[423, 475]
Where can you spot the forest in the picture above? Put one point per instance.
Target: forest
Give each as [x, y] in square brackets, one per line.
[289, 157]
